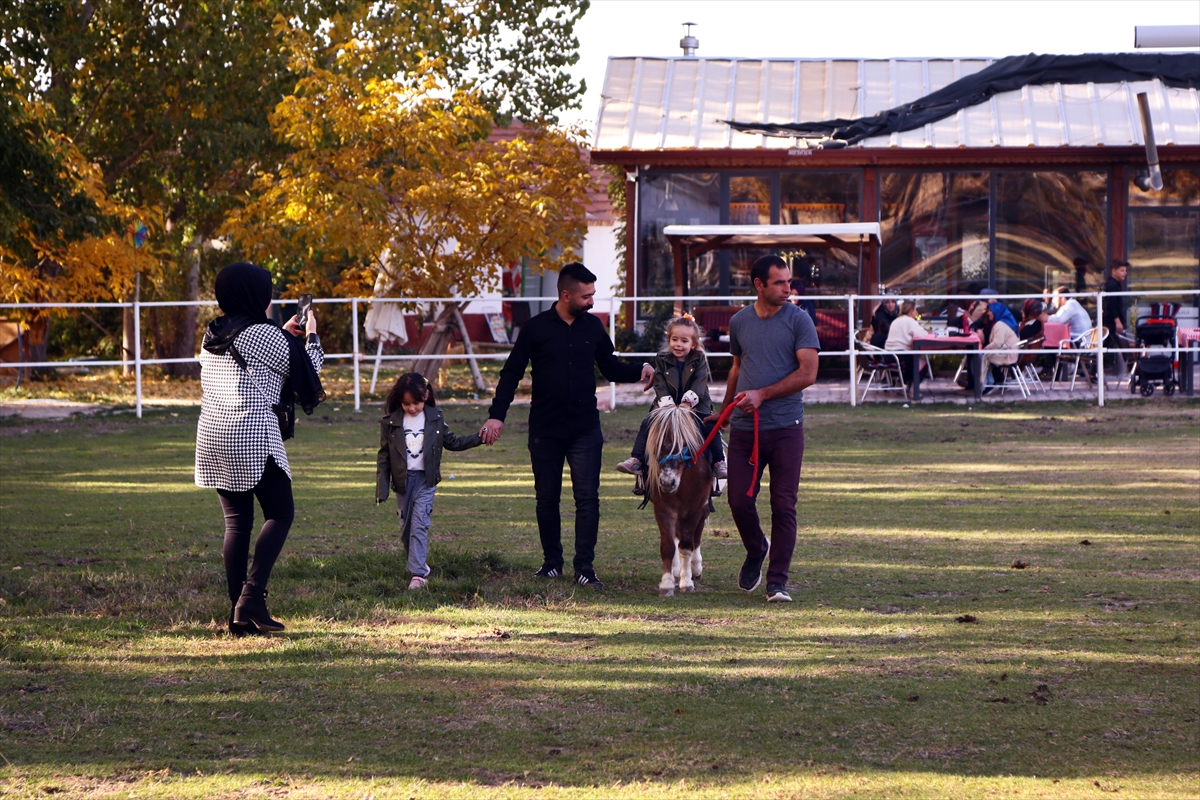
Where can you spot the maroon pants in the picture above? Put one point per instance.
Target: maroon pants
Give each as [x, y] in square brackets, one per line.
[783, 451]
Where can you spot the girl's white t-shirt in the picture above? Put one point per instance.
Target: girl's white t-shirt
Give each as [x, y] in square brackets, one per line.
[414, 440]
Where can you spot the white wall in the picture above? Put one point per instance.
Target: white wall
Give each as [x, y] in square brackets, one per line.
[600, 256]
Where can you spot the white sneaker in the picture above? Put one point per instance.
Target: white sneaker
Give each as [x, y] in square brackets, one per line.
[417, 582]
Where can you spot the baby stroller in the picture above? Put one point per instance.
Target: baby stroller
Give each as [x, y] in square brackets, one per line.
[1155, 334]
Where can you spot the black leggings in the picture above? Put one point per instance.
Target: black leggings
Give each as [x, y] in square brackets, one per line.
[274, 493]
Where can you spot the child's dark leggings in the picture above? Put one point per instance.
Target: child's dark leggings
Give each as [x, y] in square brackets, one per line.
[715, 452]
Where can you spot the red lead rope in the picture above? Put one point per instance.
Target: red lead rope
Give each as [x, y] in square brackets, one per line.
[717, 429]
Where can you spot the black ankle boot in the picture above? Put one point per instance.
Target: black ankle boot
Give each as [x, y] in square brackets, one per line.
[251, 610]
[236, 628]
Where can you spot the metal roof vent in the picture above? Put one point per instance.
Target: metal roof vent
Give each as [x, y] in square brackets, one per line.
[689, 43]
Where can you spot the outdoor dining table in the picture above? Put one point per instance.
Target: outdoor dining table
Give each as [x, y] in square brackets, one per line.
[974, 362]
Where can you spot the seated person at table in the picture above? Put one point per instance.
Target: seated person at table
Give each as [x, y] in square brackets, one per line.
[1000, 337]
[881, 322]
[1070, 312]
[1000, 312]
[1033, 315]
[903, 330]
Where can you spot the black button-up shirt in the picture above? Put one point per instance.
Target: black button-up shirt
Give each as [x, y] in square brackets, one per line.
[564, 381]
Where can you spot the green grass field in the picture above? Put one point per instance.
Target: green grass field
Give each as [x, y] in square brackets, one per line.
[1067, 533]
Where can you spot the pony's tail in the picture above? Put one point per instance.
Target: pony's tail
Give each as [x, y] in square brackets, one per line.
[672, 428]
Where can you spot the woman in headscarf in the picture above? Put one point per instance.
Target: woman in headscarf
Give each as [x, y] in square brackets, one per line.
[245, 362]
[1033, 314]
[881, 322]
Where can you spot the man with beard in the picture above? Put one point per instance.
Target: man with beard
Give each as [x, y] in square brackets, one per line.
[562, 344]
[774, 346]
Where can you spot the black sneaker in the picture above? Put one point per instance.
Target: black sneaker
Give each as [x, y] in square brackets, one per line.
[588, 579]
[751, 574]
[548, 572]
[777, 593]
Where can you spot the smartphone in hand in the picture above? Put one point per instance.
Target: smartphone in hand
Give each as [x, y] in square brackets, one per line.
[302, 307]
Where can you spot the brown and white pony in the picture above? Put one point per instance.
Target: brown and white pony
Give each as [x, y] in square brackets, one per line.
[679, 490]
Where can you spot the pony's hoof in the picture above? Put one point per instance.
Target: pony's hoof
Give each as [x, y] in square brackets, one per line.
[688, 588]
[666, 592]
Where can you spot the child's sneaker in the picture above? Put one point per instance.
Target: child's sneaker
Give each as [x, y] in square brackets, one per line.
[417, 582]
[630, 466]
[721, 470]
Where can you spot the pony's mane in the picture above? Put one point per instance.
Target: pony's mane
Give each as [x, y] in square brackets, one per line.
[672, 428]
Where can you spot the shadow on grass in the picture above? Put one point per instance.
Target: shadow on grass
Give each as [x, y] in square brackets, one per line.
[608, 707]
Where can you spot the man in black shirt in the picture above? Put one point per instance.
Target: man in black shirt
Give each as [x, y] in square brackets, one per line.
[564, 425]
[1114, 311]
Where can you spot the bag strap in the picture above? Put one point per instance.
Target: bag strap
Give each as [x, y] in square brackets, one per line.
[241, 362]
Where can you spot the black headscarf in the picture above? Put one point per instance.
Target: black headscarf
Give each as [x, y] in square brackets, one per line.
[243, 293]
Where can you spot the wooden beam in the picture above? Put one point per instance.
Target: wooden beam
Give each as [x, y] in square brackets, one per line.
[869, 212]
[898, 157]
[1118, 204]
[631, 201]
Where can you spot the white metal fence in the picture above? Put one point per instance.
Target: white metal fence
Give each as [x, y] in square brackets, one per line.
[609, 304]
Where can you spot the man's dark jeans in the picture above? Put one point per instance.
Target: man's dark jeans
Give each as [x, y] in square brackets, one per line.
[583, 454]
[783, 451]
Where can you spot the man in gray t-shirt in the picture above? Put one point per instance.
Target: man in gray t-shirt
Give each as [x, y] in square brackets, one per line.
[774, 346]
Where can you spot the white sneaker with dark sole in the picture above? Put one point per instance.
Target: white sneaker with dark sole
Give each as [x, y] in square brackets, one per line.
[777, 593]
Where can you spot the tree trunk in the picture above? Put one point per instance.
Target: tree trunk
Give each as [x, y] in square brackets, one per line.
[35, 341]
[185, 338]
[475, 373]
[439, 342]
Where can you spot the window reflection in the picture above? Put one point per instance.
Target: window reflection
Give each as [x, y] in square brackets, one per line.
[1164, 234]
[809, 198]
[749, 200]
[935, 231]
[1050, 230]
[1181, 187]
[673, 199]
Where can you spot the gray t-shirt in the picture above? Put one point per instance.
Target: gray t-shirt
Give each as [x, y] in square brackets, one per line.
[767, 349]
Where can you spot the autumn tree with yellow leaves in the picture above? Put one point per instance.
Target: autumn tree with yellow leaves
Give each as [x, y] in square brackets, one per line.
[170, 102]
[397, 179]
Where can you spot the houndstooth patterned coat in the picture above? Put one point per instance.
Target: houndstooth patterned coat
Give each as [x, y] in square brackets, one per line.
[238, 429]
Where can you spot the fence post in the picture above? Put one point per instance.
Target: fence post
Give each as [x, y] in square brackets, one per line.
[1100, 350]
[354, 354]
[850, 344]
[137, 343]
[612, 334]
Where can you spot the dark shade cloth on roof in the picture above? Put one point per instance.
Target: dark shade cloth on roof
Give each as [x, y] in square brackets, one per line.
[1176, 70]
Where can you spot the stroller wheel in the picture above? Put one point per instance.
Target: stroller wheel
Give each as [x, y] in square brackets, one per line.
[1147, 388]
[1169, 388]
